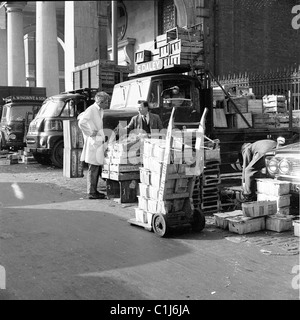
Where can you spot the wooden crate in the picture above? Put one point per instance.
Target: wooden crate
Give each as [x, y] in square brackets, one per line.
[243, 225]
[239, 121]
[241, 103]
[144, 190]
[272, 187]
[296, 225]
[125, 191]
[221, 219]
[182, 46]
[255, 106]
[142, 56]
[119, 168]
[141, 215]
[279, 223]
[72, 166]
[259, 208]
[219, 117]
[281, 201]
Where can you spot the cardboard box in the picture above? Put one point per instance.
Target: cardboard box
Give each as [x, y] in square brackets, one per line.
[279, 223]
[259, 208]
[243, 225]
[273, 187]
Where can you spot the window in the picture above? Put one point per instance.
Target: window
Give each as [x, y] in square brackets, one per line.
[167, 16]
[68, 110]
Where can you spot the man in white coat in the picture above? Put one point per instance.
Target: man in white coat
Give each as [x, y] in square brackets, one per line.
[91, 124]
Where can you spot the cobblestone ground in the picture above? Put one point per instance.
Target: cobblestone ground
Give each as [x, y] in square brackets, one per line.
[269, 242]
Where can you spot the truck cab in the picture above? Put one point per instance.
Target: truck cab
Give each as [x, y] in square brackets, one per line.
[45, 139]
[163, 91]
[17, 112]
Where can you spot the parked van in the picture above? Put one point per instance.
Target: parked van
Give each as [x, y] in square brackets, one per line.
[45, 137]
[17, 113]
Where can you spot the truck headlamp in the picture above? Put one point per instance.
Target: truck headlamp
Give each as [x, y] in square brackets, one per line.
[12, 137]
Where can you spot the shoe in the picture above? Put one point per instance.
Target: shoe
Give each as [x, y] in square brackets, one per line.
[96, 196]
[247, 198]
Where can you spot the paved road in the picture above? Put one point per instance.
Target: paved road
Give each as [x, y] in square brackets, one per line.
[57, 245]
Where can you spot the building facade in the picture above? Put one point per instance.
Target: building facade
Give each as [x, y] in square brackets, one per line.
[54, 37]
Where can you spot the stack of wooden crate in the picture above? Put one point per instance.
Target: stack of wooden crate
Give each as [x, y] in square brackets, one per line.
[73, 145]
[177, 186]
[121, 170]
[181, 46]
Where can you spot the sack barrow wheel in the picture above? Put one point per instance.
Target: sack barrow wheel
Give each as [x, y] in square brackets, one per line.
[159, 225]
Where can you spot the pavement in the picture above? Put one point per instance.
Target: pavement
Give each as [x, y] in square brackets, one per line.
[271, 243]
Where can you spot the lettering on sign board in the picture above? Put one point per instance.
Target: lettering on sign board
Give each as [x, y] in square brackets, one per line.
[149, 66]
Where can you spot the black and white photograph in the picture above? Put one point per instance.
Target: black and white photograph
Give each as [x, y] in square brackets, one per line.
[150, 153]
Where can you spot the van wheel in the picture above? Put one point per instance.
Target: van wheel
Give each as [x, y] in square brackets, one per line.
[42, 159]
[57, 156]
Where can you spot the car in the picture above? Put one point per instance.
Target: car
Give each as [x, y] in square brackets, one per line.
[284, 164]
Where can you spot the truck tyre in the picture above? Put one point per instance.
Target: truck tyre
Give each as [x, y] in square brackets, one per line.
[198, 223]
[42, 159]
[57, 156]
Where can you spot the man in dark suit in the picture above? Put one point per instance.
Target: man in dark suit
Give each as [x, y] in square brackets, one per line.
[253, 162]
[145, 122]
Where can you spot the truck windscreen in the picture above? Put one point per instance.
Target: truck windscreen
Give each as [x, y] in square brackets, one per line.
[51, 108]
[128, 94]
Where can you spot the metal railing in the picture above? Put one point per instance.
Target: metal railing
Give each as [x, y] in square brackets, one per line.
[280, 82]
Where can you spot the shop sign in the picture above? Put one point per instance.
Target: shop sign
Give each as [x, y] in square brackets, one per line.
[149, 66]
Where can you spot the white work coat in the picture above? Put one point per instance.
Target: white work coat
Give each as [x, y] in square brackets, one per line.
[94, 147]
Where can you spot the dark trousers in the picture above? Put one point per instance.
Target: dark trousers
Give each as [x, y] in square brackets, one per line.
[93, 175]
[252, 172]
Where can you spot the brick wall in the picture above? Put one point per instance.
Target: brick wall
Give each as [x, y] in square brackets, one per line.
[253, 35]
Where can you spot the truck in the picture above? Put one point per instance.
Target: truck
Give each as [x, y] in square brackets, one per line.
[18, 106]
[174, 75]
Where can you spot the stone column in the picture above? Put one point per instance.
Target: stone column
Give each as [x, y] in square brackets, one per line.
[3, 48]
[15, 44]
[47, 74]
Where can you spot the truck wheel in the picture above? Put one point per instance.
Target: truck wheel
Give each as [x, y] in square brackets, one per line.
[57, 156]
[42, 159]
[160, 227]
[198, 223]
